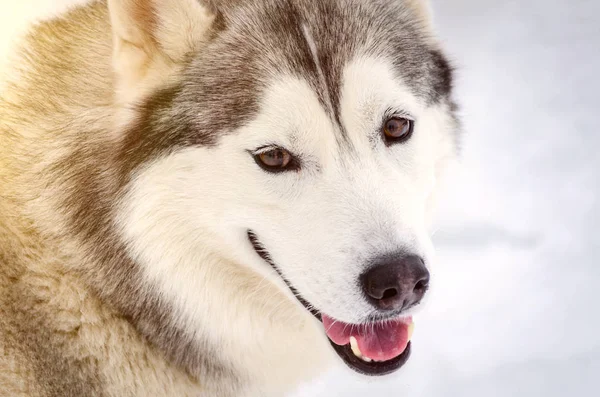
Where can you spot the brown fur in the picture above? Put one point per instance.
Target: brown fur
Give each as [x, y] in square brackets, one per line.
[57, 337]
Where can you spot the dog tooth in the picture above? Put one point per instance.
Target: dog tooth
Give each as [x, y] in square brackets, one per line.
[354, 347]
[411, 330]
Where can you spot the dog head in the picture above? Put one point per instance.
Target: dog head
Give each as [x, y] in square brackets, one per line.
[285, 153]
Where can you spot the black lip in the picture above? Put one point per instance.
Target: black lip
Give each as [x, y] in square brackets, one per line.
[264, 254]
[372, 368]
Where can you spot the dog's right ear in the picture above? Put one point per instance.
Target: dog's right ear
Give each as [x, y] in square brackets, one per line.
[153, 38]
[422, 8]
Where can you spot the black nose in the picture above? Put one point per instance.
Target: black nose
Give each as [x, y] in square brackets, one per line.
[396, 282]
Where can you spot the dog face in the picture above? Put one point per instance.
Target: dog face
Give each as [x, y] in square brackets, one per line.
[303, 144]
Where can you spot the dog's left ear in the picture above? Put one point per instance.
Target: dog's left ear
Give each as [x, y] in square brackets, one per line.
[152, 39]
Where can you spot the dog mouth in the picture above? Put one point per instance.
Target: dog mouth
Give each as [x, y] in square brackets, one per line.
[375, 348]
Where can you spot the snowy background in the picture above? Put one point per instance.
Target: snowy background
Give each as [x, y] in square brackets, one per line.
[515, 308]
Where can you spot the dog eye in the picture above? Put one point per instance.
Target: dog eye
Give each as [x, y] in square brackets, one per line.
[276, 160]
[397, 130]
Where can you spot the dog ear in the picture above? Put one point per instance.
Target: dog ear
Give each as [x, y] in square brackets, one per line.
[422, 8]
[152, 38]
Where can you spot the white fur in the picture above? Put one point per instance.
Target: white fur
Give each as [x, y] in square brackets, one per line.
[186, 218]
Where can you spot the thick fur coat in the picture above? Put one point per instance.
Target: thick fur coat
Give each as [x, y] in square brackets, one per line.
[126, 193]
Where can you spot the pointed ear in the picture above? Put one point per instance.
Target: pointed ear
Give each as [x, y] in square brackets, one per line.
[423, 10]
[152, 38]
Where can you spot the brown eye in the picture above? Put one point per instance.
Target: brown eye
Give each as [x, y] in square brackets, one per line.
[397, 129]
[275, 160]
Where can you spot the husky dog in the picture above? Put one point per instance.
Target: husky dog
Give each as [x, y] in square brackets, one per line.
[217, 197]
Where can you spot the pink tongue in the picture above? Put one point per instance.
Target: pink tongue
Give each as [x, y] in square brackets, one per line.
[382, 342]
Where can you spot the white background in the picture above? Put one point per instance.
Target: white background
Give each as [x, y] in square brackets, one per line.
[514, 308]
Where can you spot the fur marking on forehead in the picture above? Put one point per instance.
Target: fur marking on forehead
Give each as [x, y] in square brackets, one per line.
[332, 109]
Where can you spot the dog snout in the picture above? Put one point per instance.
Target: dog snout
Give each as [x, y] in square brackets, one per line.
[396, 282]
